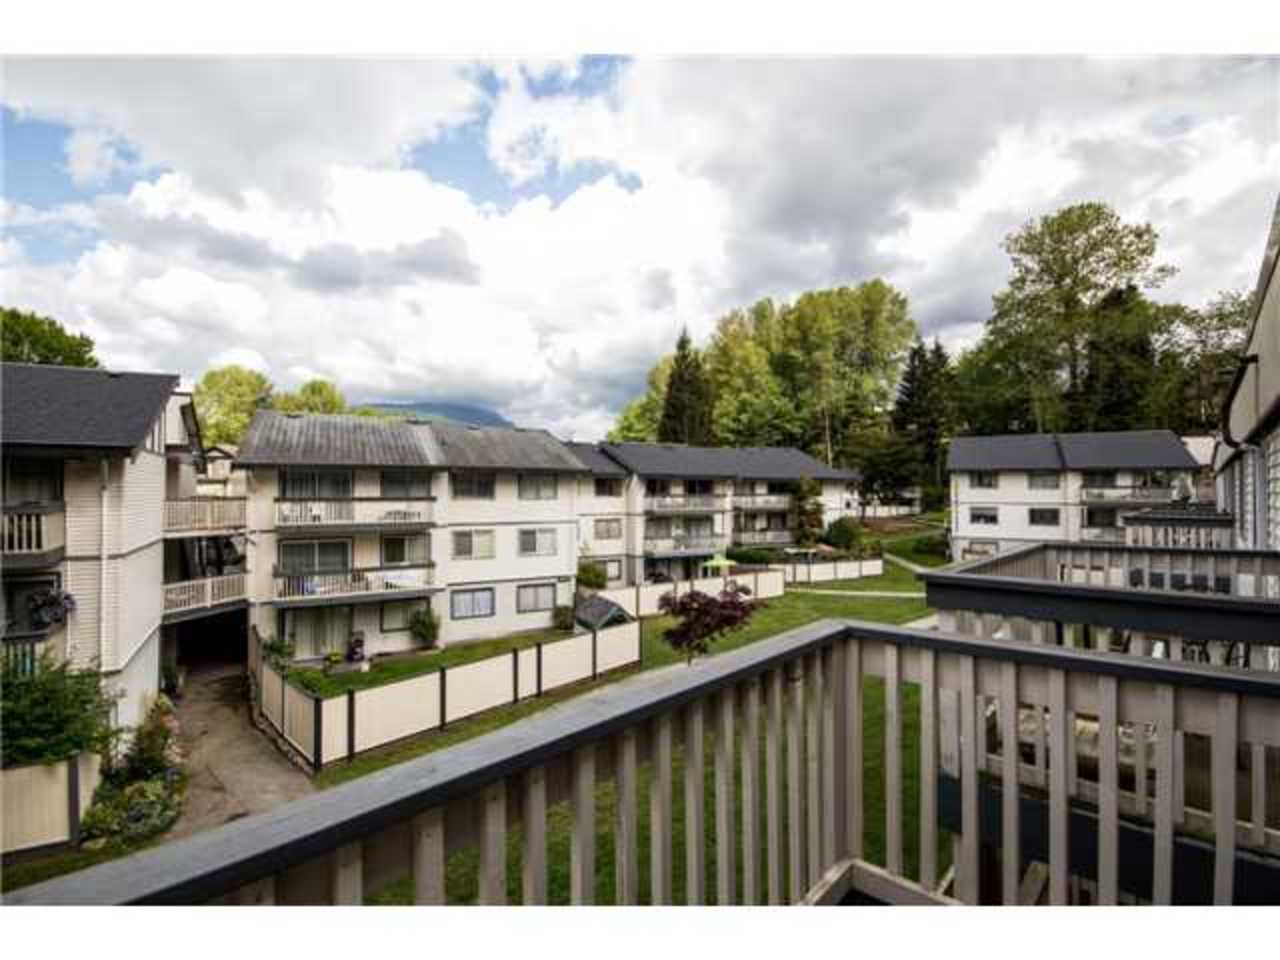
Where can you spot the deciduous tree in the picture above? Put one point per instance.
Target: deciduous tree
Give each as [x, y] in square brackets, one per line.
[30, 338]
[226, 399]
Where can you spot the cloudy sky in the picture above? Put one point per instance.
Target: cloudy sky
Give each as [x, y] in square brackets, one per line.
[531, 236]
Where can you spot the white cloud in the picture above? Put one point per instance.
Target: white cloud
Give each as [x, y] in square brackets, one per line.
[92, 156]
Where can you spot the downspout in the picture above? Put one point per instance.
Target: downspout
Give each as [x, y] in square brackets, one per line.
[103, 476]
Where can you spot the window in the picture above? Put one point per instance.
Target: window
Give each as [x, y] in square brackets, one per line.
[1099, 479]
[698, 527]
[395, 615]
[984, 479]
[1043, 480]
[744, 488]
[315, 556]
[406, 484]
[608, 487]
[613, 569]
[658, 528]
[319, 630]
[1100, 517]
[471, 604]
[609, 529]
[538, 543]
[698, 488]
[473, 544]
[472, 486]
[537, 486]
[984, 515]
[657, 488]
[15, 602]
[533, 597]
[313, 484]
[1043, 517]
[777, 487]
[402, 550]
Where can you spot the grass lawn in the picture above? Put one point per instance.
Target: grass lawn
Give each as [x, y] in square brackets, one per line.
[390, 669]
[895, 578]
[782, 614]
[909, 548]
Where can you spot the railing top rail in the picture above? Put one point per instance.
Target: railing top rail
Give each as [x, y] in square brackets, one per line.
[198, 499]
[208, 579]
[37, 506]
[979, 564]
[426, 498]
[215, 862]
[276, 571]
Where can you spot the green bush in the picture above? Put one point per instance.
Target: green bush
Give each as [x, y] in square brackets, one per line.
[752, 556]
[134, 811]
[592, 575]
[425, 626]
[148, 754]
[933, 497]
[562, 618]
[934, 546]
[52, 712]
[844, 533]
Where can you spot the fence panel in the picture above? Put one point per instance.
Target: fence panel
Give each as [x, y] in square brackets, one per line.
[300, 720]
[528, 671]
[384, 714]
[271, 696]
[477, 687]
[617, 646]
[333, 729]
[566, 661]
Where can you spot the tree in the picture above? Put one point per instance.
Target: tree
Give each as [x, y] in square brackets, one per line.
[887, 463]
[226, 399]
[808, 507]
[30, 338]
[1208, 344]
[52, 712]
[639, 419]
[703, 618]
[922, 412]
[314, 396]
[686, 409]
[750, 408]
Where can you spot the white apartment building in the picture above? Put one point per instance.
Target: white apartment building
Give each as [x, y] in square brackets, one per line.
[1008, 491]
[356, 523]
[1247, 460]
[98, 472]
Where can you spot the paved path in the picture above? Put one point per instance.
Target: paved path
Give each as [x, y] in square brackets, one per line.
[233, 769]
[913, 567]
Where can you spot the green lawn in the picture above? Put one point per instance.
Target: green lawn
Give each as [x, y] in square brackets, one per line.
[389, 670]
[909, 549]
[895, 578]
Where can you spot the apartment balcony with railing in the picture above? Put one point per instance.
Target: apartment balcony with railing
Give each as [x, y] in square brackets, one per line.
[204, 516]
[1102, 534]
[763, 537]
[687, 503]
[32, 535]
[984, 794]
[1198, 526]
[762, 501]
[207, 595]
[354, 513]
[320, 587]
[685, 544]
[1126, 494]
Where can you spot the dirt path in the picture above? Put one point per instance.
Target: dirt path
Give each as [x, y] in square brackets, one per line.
[233, 770]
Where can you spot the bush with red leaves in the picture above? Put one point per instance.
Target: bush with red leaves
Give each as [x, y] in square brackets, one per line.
[704, 618]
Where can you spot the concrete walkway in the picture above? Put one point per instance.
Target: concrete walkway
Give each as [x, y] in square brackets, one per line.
[908, 565]
[886, 594]
[233, 769]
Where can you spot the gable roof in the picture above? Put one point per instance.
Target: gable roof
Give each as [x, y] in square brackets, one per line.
[340, 440]
[497, 448]
[1117, 450]
[596, 460]
[755, 463]
[42, 405]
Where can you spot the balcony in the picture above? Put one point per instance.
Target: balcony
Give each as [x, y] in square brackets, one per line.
[319, 588]
[1102, 534]
[190, 598]
[23, 648]
[685, 545]
[1195, 526]
[1126, 494]
[763, 537]
[354, 513]
[762, 501]
[782, 728]
[33, 535]
[695, 503]
[204, 516]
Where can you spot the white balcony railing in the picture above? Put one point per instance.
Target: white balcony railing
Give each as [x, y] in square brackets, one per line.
[762, 501]
[205, 592]
[343, 583]
[710, 502]
[685, 544]
[353, 511]
[1102, 534]
[1126, 495]
[764, 536]
[197, 514]
[32, 530]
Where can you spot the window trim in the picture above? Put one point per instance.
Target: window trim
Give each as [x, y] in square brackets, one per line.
[993, 522]
[536, 586]
[453, 544]
[595, 528]
[473, 476]
[412, 604]
[1033, 475]
[555, 542]
[539, 481]
[1032, 522]
[493, 604]
[976, 475]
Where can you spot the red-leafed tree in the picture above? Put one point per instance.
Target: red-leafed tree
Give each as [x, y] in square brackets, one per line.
[704, 619]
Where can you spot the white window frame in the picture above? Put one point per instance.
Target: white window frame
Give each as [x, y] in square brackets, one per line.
[611, 523]
[610, 566]
[993, 522]
[456, 595]
[537, 486]
[977, 478]
[1036, 480]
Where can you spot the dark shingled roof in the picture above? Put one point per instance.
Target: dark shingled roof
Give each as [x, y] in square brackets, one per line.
[596, 460]
[48, 406]
[281, 439]
[497, 448]
[1119, 450]
[753, 463]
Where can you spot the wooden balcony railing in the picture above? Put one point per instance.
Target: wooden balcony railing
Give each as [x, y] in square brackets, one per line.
[23, 649]
[762, 501]
[763, 536]
[1102, 534]
[206, 592]
[784, 722]
[354, 511]
[199, 514]
[356, 582]
[32, 529]
[685, 544]
[688, 503]
[1126, 494]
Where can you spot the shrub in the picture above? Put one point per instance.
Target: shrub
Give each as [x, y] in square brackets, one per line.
[933, 546]
[132, 812]
[279, 653]
[752, 556]
[148, 754]
[562, 618]
[933, 497]
[592, 575]
[52, 712]
[844, 533]
[425, 626]
[704, 618]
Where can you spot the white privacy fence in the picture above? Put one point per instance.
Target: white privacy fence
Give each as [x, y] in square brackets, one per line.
[43, 803]
[326, 729]
[800, 571]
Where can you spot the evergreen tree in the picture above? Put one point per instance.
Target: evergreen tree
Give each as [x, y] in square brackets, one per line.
[922, 414]
[687, 408]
